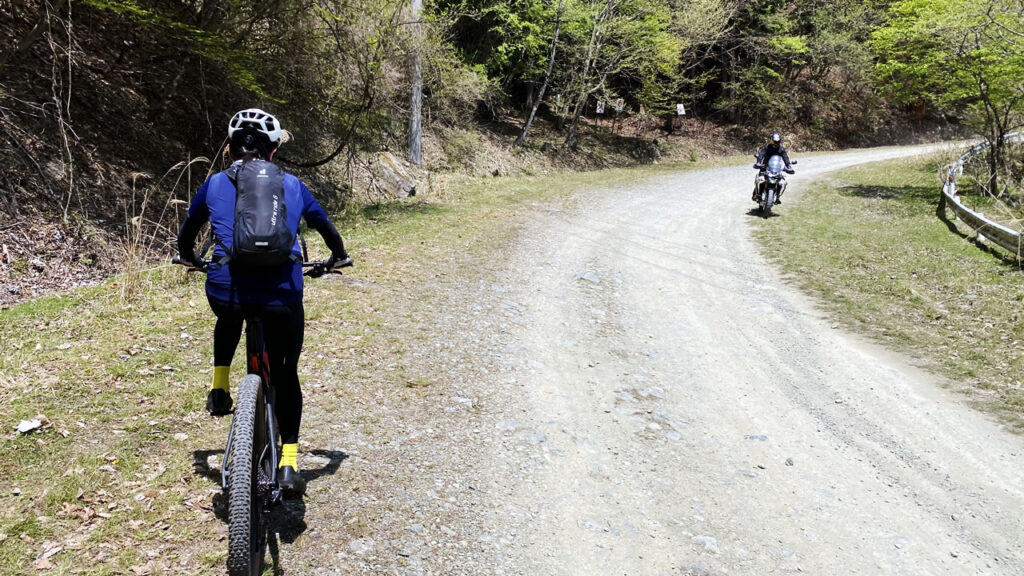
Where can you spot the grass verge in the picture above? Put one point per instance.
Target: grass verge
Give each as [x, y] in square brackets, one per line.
[870, 245]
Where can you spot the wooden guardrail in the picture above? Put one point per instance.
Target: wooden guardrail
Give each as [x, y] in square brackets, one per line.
[998, 234]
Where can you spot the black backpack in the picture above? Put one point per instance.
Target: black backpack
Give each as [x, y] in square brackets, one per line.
[262, 239]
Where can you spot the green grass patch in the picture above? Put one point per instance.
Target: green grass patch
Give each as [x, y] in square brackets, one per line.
[870, 245]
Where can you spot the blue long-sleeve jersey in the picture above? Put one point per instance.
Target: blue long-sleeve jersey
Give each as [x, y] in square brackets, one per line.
[215, 202]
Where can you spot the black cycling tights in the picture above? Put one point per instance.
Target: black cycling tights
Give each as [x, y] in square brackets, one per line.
[283, 329]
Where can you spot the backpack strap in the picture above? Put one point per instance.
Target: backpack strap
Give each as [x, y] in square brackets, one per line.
[232, 171]
[232, 175]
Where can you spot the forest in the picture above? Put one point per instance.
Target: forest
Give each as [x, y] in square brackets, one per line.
[106, 102]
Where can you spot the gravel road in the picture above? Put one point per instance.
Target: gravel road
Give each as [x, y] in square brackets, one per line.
[636, 391]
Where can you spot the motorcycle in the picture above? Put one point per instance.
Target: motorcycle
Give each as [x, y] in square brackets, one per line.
[770, 183]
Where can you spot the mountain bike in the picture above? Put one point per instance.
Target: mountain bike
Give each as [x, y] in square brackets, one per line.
[249, 466]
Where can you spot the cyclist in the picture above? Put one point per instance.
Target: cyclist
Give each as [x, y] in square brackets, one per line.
[772, 148]
[274, 295]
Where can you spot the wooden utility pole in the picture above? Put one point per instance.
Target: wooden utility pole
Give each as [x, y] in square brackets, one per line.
[416, 102]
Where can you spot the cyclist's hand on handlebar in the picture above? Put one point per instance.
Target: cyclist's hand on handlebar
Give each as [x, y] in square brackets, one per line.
[194, 263]
[339, 261]
[331, 265]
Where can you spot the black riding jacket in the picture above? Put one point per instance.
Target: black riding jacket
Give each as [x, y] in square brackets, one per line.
[771, 149]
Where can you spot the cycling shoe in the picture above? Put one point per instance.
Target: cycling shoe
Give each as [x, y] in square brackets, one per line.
[218, 402]
[292, 483]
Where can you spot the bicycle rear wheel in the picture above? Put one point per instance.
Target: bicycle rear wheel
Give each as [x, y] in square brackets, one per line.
[246, 532]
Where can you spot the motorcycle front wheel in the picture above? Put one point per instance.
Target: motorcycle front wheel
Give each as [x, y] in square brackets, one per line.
[768, 202]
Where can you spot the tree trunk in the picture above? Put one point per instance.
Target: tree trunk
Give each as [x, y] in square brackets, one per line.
[583, 94]
[995, 137]
[521, 140]
[994, 155]
[416, 102]
[733, 109]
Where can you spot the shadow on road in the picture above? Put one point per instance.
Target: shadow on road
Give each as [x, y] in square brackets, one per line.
[284, 523]
[201, 464]
[334, 460]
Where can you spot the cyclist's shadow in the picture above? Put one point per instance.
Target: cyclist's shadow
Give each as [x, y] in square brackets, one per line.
[285, 522]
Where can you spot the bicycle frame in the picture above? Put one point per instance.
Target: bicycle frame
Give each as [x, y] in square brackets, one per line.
[257, 363]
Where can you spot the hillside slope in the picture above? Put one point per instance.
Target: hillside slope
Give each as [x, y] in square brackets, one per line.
[110, 117]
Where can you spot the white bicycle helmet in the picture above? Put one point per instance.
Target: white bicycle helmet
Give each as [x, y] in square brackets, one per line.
[263, 122]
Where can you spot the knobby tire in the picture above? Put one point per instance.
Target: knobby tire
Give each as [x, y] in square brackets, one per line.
[245, 508]
[769, 201]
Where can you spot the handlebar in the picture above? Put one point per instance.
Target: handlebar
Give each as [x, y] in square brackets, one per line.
[317, 267]
[786, 170]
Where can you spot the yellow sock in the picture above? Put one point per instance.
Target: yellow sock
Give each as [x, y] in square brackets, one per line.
[290, 456]
[220, 378]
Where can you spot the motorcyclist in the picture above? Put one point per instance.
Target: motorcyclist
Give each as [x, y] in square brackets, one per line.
[772, 148]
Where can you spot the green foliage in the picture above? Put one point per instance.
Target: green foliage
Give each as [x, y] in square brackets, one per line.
[337, 71]
[943, 52]
[784, 60]
[790, 45]
[964, 57]
[914, 49]
[454, 90]
[125, 8]
[758, 92]
[639, 55]
[607, 49]
[508, 39]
